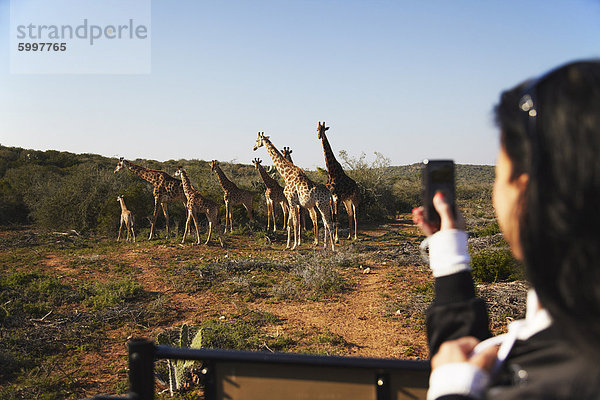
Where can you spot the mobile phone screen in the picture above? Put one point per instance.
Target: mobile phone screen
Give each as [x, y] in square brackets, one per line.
[438, 176]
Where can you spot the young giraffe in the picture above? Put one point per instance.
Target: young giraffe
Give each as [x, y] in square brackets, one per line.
[127, 220]
[198, 203]
[299, 190]
[287, 154]
[342, 187]
[166, 189]
[273, 195]
[233, 195]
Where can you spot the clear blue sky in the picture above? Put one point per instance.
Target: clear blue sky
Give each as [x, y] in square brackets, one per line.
[408, 79]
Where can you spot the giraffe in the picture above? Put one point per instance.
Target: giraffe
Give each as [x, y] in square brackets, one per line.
[198, 203]
[127, 220]
[342, 187]
[273, 195]
[287, 154]
[233, 195]
[299, 190]
[166, 189]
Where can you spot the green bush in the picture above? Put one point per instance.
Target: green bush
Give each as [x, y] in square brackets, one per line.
[374, 181]
[488, 230]
[30, 295]
[240, 333]
[102, 295]
[64, 201]
[12, 208]
[320, 281]
[495, 266]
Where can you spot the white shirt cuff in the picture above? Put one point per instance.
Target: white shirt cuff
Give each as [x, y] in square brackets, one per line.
[448, 252]
[458, 378]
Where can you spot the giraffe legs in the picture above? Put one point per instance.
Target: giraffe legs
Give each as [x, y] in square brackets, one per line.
[195, 218]
[293, 222]
[286, 211]
[303, 215]
[210, 224]
[248, 206]
[120, 227]
[298, 226]
[132, 231]
[297, 232]
[269, 213]
[289, 227]
[129, 227]
[213, 220]
[166, 213]
[327, 224]
[351, 210]
[154, 216]
[315, 221]
[211, 216]
[334, 217]
[227, 218]
[187, 225]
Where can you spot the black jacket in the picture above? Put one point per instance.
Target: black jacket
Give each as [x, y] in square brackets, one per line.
[545, 366]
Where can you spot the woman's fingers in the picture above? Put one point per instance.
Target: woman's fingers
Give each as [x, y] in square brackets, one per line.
[419, 220]
[459, 350]
[445, 211]
[454, 351]
[485, 359]
[447, 217]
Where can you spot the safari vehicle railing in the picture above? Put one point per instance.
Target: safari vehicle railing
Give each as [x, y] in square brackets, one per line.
[228, 374]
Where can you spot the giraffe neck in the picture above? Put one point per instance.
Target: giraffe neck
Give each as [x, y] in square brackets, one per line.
[267, 179]
[144, 173]
[333, 166]
[226, 184]
[123, 207]
[286, 169]
[185, 181]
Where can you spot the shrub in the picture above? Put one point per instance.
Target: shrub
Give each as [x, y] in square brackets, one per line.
[488, 230]
[320, 280]
[12, 208]
[374, 181]
[240, 333]
[495, 266]
[30, 295]
[72, 201]
[102, 295]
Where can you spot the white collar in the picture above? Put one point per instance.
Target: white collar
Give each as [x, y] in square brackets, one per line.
[536, 320]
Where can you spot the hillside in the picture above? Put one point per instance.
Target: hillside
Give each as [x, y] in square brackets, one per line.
[61, 190]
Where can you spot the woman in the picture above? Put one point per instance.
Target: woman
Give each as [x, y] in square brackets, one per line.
[547, 201]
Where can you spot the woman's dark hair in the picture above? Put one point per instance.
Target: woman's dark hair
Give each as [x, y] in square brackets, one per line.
[560, 209]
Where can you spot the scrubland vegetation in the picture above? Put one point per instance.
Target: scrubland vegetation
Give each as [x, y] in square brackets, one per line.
[70, 295]
[62, 191]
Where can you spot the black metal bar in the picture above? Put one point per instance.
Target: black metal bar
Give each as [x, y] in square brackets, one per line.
[178, 353]
[209, 380]
[141, 369]
[382, 384]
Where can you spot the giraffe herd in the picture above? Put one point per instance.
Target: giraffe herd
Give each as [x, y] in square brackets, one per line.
[300, 194]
